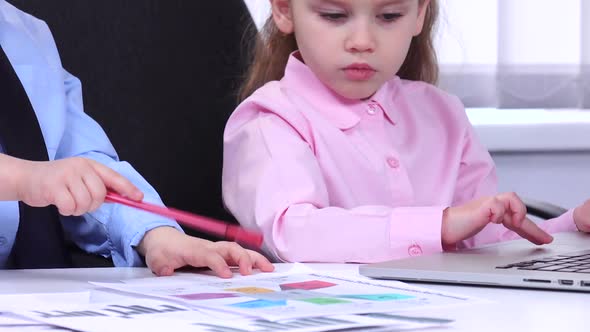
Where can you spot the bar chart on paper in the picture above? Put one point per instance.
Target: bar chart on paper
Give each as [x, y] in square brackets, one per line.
[289, 296]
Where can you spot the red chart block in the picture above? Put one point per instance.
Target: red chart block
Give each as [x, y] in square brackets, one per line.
[307, 285]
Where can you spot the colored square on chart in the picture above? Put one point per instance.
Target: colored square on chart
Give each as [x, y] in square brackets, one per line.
[378, 297]
[205, 296]
[259, 304]
[293, 294]
[309, 285]
[324, 300]
[250, 290]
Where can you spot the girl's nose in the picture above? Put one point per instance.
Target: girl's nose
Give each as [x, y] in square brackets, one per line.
[361, 38]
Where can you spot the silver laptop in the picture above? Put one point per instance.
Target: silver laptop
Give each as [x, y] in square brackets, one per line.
[564, 264]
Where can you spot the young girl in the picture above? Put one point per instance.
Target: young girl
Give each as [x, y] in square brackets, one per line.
[343, 151]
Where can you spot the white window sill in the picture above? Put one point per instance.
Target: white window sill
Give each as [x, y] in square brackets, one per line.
[519, 130]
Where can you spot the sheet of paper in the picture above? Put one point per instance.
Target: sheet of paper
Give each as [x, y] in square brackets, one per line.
[280, 269]
[11, 322]
[14, 302]
[9, 302]
[157, 315]
[287, 296]
[35, 328]
[127, 315]
[7, 319]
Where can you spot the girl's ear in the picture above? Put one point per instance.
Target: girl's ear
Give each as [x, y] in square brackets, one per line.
[282, 15]
[424, 4]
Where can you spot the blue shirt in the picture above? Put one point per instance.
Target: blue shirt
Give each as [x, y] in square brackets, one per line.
[112, 230]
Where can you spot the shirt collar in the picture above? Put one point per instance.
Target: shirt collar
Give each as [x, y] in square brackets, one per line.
[386, 96]
[338, 110]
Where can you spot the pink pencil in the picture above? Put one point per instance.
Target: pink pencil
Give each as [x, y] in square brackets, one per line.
[205, 224]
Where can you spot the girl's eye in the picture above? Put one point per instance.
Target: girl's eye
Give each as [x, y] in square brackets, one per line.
[390, 17]
[333, 16]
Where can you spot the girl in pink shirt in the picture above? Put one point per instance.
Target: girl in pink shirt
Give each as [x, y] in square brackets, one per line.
[343, 151]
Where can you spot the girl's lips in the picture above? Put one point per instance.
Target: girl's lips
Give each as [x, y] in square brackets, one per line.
[359, 72]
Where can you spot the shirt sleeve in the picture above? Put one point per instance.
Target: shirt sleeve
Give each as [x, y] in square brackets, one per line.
[113, 229]
[272, 182]
[477, 178]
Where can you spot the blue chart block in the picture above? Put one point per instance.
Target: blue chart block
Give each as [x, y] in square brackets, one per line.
[259, 304]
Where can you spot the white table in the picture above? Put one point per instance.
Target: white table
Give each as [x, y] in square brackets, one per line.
[511, 310]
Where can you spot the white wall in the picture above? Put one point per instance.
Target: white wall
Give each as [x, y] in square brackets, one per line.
[259, 9]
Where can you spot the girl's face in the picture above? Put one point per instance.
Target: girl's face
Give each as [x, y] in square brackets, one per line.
[353, 46]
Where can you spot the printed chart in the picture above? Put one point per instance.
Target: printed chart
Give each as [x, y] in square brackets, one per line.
[288, 296]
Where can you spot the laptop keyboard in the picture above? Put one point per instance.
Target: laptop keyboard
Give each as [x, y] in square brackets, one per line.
[577, 262]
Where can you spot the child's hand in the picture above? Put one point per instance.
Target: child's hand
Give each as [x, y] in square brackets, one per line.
[582, 217]
[74, 185]
[463, 222]
[166, 249]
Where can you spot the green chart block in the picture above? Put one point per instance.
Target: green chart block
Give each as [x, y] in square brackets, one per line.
[324, 300]
[379, 297]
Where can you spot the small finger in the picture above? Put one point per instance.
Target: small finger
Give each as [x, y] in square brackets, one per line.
[64, 202]
[165, 271]
[159, 267]
[234, 253]
[81, 196]
[218, 264]
[97, 190]
[495, 210]
[516, 209]
[117, 182]
[260, 262]
[532, 232]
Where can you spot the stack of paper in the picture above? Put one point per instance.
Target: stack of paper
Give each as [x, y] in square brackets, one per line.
[294, 301]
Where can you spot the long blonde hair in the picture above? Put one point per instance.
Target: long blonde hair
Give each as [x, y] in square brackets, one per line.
[272, 49]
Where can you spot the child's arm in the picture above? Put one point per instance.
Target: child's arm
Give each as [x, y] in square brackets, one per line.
[271, 181]
[112, 229]
[117, 231]
[74, 185]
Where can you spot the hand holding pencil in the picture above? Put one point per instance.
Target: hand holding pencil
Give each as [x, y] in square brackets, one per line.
[166, 249]
[205, 224]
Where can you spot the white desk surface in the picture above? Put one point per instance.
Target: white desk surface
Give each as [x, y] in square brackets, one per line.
[511, 309]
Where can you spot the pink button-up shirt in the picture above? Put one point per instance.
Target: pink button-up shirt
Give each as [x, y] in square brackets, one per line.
[328, 179]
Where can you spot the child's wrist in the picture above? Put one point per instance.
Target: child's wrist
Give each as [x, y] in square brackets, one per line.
[152, 237]
[579, 220]
[146, 241]
[446, 245]
[14, 176]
